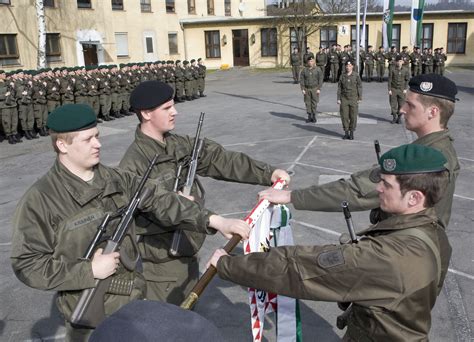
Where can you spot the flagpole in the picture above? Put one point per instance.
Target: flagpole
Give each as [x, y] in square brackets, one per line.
[358, 35]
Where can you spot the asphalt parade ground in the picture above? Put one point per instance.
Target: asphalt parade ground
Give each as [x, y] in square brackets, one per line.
[262, 113]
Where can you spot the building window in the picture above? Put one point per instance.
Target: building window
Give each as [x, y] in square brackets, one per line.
[149, 44]
[48, 3]
[121, 44]
[210, 7]
[173, 43]
[227, 8]
[328, 36]
[354, 36]
[145, 5]
[213, 47]
[294, 33]
[4, 2]
[457, 38]
[269, 42]
[170, 6]
[84, 4]
[427, 36]
[8, 49]
[191, 6]
[53, 46]
[117, 5]
[396, 29]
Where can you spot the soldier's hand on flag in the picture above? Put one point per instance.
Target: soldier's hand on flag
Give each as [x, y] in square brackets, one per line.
[228, 227]
[275, 196]
[189, 197]
[279, 173]
[215, 257]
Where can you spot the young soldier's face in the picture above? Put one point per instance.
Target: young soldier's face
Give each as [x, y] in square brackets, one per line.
[391, 199]
[416, 116]
[84, 151]
[162, 118]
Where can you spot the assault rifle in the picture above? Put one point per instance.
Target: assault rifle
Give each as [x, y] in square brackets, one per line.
[89, 310]
[180, 240]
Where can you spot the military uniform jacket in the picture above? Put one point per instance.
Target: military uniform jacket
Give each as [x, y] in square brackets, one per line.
[369, 58]
[333, 57]
[390, 276]
[25, 92]
[380, 58]
[311, 78]
[179, 74]
[349, 87]
[53, 88]
[344, 57]
[406, 58]
[361, 194]
[321, 59]
[398, 78]
[39, 92]
[58, 216]
[214, 162]
[7, 94]
[295, 59]
[427, 59]
[202, 70]
[415, 58]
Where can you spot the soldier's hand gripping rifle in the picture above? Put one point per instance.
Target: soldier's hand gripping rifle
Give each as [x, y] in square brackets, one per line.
[89, 310]
[206, 278]
[180, 240]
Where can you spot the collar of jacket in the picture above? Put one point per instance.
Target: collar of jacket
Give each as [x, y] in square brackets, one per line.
[434, 137]
[150, 146]
[82, 192]
[400, 222]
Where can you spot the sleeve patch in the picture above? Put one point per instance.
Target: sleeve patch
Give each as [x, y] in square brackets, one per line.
[331, 258]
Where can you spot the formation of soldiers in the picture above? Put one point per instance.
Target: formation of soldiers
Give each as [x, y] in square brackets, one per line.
[332, 60]
[28, 96]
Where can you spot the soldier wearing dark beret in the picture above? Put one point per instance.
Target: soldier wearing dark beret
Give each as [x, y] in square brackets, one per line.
[202, 70]
[349, 95]
[311, 81]
[389, 276]
[57, 218]
[170, 276]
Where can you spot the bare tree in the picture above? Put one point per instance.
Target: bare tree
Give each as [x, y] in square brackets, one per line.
[346, 6]
[41, 59]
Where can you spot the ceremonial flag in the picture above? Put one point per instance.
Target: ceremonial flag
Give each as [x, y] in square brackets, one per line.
[273, 229]
[363, 33]
[388, 6]
[417, 7]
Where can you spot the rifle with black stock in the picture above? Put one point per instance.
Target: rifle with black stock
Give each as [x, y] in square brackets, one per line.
[89, 310]
[206, 278]
[180, 240]
[377, 149]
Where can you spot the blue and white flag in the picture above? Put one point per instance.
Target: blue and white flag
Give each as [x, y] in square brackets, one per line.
[417, 7]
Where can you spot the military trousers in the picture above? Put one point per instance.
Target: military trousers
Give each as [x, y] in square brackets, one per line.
[41, 114]
[188, 89]
[369, 71]
[9, 120]
[26, 116]
[201, 85]
[81, 99]
[416, 70]
[428, 69]
[349, 110]
[334, 72]
[295, 71]
[67, 99]
[439, 69]
[179, 90]
[95, 104]
[114, 102]
[172, 85]
[52, 105]
[311, 99]
[195, 87]
[380, 71]
[126, 101]
[397, 99]
[105, 101]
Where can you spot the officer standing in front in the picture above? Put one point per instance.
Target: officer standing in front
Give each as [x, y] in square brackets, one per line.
[391, 274]
[398, 78]
[311, 81]
[349, 95]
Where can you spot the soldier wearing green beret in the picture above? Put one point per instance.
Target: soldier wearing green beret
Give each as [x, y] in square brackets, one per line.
[58, 216]
[201, 77]
[40, 103]
[390, 275]
[195, 72]
[188, 81]
[26, 114]
[170, 277]
[179, 81]
[8, 108]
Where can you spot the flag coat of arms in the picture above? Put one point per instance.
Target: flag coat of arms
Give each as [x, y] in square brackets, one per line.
[416, 28]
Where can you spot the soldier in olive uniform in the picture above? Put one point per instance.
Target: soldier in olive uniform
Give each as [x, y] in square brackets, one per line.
[25, 105]
[415, 59]
[398, 79]
[428, 62]
[188, 81]
[8, 108]
[40, 102]
[440, 60]
[390, 275]
[344, 57]
[334, 61]
[53, 91]
[202, 77]
[295, 60]
[391, 56]
[369, 63]
[195, 72]
[169, 277]
[321, 60]
[179, 81]
[380, 63]
[405, 57]
[93, 90]
[432, 95]
[47, 248]
[105, 92]
[67, 84]
[311, 81]
[306, 55]
[349, 95]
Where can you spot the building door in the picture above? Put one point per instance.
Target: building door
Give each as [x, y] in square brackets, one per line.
[90, 54]
[240, 46]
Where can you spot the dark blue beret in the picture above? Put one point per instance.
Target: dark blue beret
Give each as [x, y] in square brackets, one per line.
[71, 118]
[147, 321]
[150, 94]
[434, 85]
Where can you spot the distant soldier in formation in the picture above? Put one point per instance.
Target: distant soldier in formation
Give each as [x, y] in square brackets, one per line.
[202, 77]
[295, 60]
[334, 62]
[405, 57]
[349, 95]
[391, 56]
[415, 59]
[427, 60]
[439, 61]
[398, 79]
[307, 54]
[311, 80]
[380, 63]
[321, 59]
[369, 63]
[8, 109]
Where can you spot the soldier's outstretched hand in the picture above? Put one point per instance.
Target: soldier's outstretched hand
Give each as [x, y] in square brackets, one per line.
[215, 257]
[228, 227]
[275, 196]
[279, 173]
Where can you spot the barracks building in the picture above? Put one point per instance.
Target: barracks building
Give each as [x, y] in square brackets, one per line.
[224, 33]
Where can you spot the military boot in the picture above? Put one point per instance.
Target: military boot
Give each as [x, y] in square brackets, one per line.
[346, 135]
[11, 140]
[398, 119]
[202, 94]
[42, 132]
[28, 136]
[351, 135]
[394, 120]
[33, 134]
[17, 138]
[309, 119]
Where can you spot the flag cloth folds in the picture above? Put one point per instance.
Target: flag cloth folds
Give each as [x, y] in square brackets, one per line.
[273, 229]
[364, 33]
[388, 7]
[417, 7]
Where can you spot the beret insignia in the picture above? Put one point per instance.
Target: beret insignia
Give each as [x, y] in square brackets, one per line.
[389, 164]
[426, 86]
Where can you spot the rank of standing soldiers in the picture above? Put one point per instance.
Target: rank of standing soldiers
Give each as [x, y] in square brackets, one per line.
[28, 96]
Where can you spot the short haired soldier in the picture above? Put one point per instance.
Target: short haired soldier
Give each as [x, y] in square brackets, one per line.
[349, 95]
[295, 60]
[311, 81]
[398, 78]
[392, 274]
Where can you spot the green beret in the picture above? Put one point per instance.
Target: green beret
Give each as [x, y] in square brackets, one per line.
[409, 159]
[2, 71]
[199, 59]
[193, 60]
[178, 61]
[170, 61]
[150, 94]
[72, 118]
[185, 62]
[434, 85]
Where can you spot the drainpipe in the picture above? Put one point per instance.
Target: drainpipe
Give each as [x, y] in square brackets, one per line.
[184, 40]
